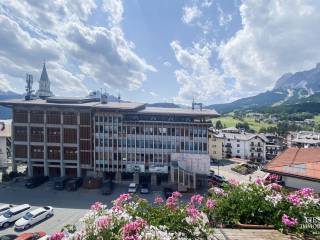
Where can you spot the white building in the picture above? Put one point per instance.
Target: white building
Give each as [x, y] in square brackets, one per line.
[236, 143]
[304, 139]
[5, 143]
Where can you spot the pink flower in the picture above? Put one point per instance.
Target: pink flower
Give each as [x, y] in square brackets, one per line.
[210, 203]
[122, 198]
[290, 222]
[158, 200]
[192, 211]
[57, 236]
[171, 202]
[219, 191]
[176, 195]
[103, 222]
[259, 181]
[275, 186]
[234, 182]
[294, 199]
[131, 231]
[196, 199]
[306, 192]
[117, 208]
[96, 206]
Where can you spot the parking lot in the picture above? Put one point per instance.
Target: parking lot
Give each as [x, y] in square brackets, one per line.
[69, 207]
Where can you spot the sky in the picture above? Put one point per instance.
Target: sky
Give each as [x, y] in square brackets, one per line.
[214, 51]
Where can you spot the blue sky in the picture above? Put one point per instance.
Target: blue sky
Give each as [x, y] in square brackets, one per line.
[154, 51]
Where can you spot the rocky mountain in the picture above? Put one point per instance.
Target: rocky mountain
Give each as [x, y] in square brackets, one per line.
[308, 80]
[290, 88]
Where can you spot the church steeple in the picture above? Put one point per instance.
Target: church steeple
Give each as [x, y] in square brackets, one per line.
[44, 84]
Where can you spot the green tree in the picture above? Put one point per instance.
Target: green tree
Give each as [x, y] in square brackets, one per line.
[219, 125]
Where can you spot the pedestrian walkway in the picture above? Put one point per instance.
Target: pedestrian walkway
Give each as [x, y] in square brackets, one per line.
[254, 234]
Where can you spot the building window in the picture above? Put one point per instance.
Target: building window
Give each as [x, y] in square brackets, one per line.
[70, 153]
[36, 134]
[53, 135]
[20, 134]
[36, 116]
[53, 117]
[20, 116]
[70, 135]
[69, 118]
[20, 151]
[53, 153]
[36, 152]
[238, 145]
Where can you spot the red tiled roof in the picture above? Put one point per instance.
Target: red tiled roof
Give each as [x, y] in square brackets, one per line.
[298, 162]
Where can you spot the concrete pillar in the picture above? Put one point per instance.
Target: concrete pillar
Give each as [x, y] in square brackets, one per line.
[153, 179]
[29, 163]
[118, 177]
[78, 146]
[62, 169]
[45, 151]
[136, 178]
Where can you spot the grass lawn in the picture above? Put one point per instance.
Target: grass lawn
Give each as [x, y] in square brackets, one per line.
[317, 118]
[229, 121]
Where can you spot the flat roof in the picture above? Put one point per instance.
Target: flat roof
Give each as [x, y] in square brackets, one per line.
[119, 106]
[179, 111]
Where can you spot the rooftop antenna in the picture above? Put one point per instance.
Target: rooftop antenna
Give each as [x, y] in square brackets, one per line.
[29, 81]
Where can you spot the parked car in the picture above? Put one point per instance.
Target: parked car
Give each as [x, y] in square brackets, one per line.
[167, 192]
[133, 187]
[4, 208]
[31, 236]
[60, 183]
[8, 237]
[36, 181]
[13, 214]
[144, 188]
[73, 184]
[33, 217]
[107, 187]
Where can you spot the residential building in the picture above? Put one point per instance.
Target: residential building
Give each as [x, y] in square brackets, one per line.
[232, 142]
[274, 145]
[303, 139]
[5, 143]
[215, 145]
[298, 167]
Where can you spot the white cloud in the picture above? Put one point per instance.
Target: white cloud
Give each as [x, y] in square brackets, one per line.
[190, 13]
[206, 3]
[115, 10]
[75, 50]
[223, 18]
[276, 37]
[167, 64]
[153, 94]
[197, 77]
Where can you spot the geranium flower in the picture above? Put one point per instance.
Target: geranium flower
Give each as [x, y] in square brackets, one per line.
[57, 236]
[290, 222]
[96, 206]
[196, 199]
[210, 203]
[103, 222]
[294, 199]
[158, 200]
[122, 198]
[234, 182]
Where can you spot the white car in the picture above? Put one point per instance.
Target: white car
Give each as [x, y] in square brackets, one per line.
[33, 217]
[132, 188]
[4, 208]
[13, 214]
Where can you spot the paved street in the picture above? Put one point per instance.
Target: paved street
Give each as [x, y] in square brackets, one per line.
[224, 169]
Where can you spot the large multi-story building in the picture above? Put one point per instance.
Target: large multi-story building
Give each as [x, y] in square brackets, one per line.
[78, 137]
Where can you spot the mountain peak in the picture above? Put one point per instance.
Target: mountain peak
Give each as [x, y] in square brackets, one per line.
[309, 80]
